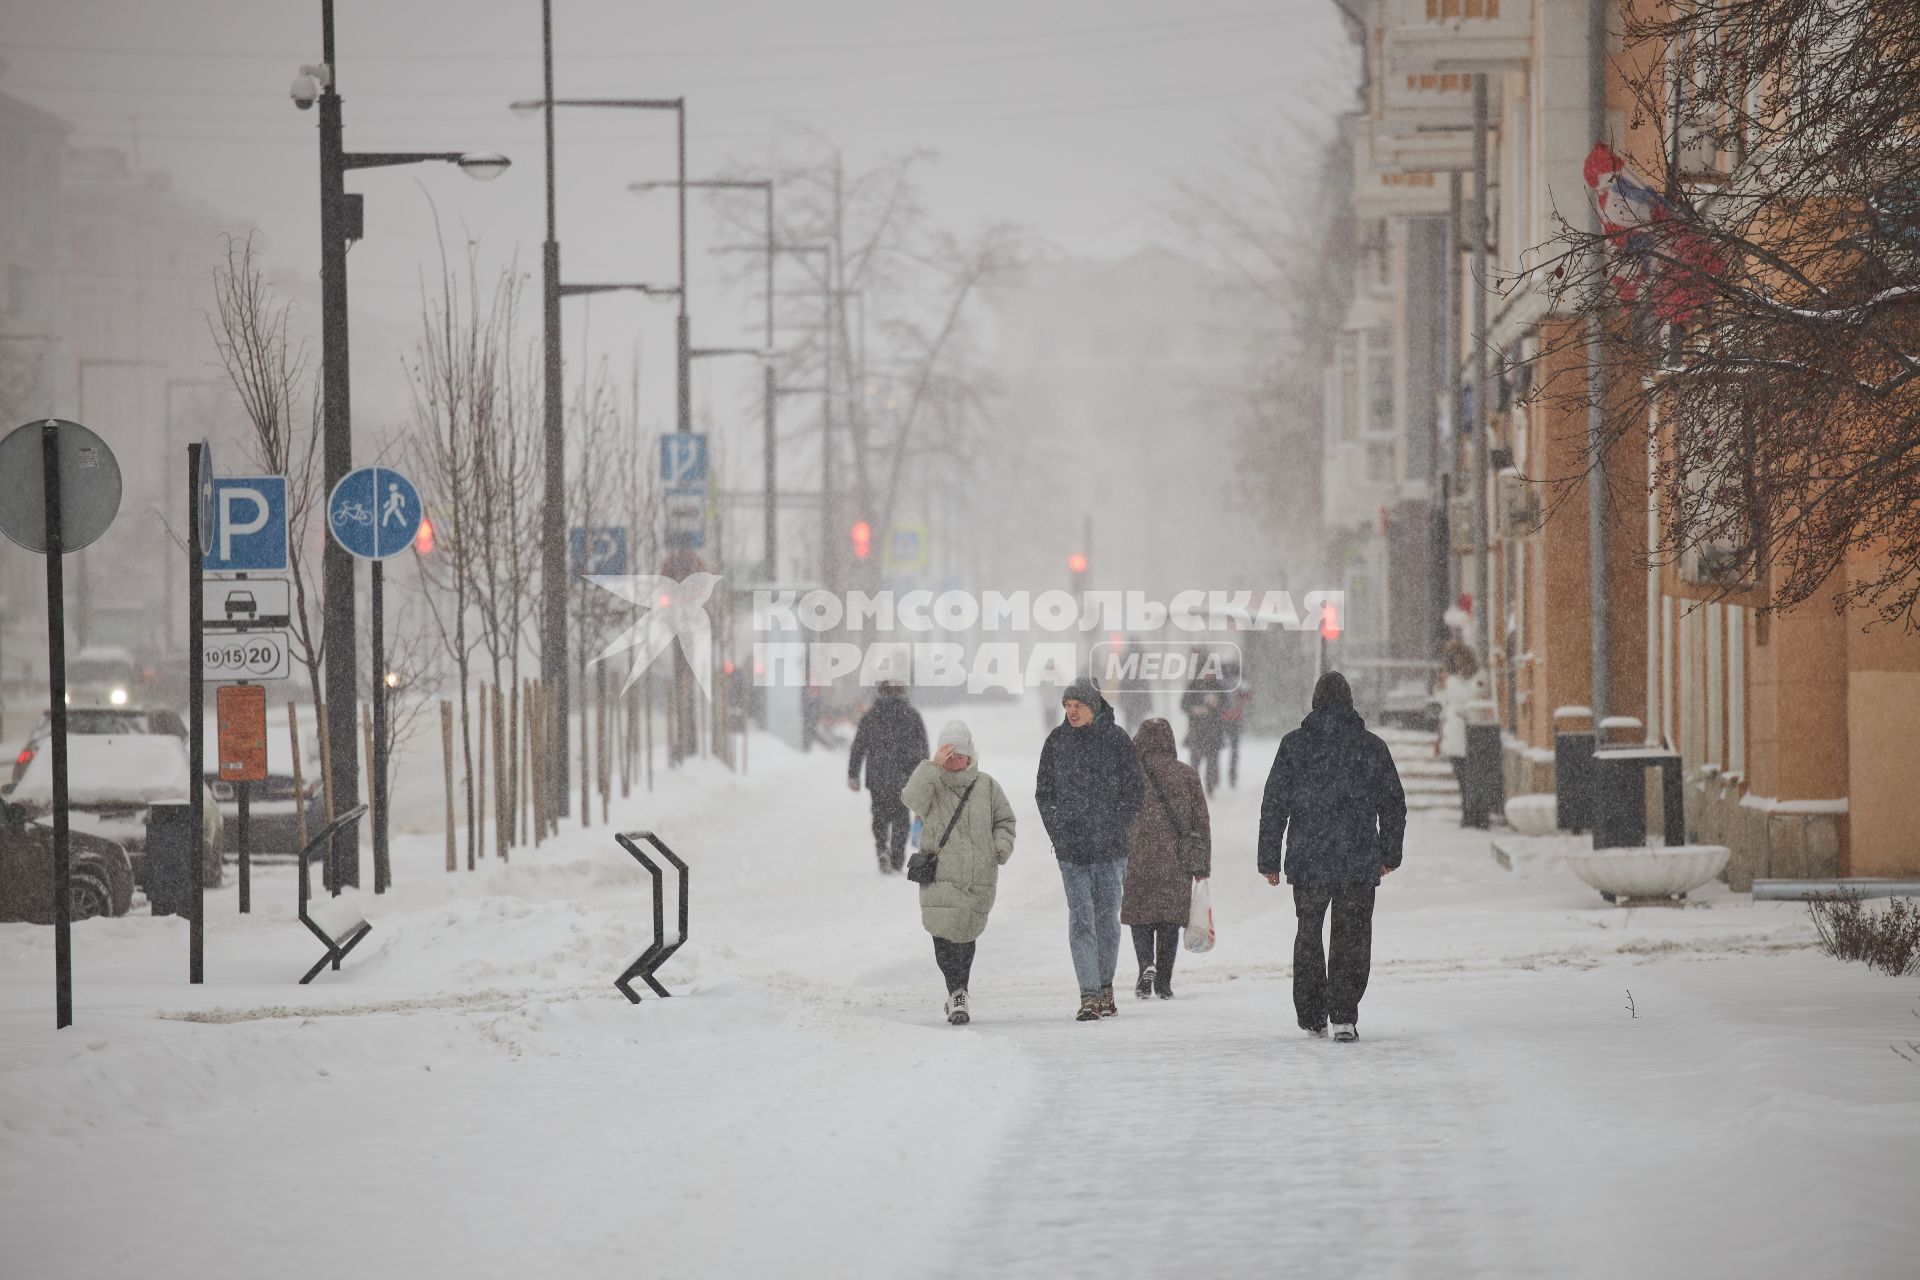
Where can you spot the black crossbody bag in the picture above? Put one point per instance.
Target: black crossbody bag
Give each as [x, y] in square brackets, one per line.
[925, 863]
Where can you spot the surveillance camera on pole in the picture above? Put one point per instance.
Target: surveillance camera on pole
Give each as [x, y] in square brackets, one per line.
[305, 90]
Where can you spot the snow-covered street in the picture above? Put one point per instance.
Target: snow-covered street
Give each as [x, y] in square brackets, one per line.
[470, 1096]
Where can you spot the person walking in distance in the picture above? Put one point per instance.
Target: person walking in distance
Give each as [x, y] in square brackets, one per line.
[891, 740]
[968, 814]
[1088, 792]
[1204, 702]
[1332, 820]
[1169, 847]
[1460, 684]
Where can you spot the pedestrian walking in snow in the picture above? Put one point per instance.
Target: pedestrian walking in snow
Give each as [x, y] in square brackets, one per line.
[1233, 717]
[967, 828]
[891, 740]
[1460, 684]
[1088, 792]
[1205, 702]
[1169, 847]
[1333, 819]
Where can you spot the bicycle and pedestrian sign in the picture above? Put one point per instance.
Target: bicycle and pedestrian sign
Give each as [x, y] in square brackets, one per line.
[374, 513]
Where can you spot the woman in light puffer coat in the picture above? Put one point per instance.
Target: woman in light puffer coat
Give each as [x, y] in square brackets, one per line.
[954, 907]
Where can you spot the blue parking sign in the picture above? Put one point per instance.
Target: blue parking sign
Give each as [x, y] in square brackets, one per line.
[601, 550]
[374, 512]
[249, 526]
[683, 460]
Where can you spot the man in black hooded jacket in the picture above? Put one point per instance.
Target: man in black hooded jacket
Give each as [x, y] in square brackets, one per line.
[891, 740]
[1333, 818]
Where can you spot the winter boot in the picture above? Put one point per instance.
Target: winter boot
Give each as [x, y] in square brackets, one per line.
[1318, 1033]
[1089, 1009]
[1144, 988]
[1107, 1007]
[886, 863]
[957, 1012]
[1345, 1031]
[1163, 989]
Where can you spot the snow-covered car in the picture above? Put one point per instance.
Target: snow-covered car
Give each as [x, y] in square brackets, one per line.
[96, 721]
[102, 675]
[111, 781]
[99, 873]
[273, 805]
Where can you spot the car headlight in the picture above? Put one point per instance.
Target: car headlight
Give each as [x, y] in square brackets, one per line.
[118, 697]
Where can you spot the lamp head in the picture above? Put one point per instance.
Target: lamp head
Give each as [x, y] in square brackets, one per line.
[528, 107]
[484, 165]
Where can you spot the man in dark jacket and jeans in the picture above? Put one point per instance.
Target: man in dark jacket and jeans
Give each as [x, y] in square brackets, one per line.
[1088, 793]
[891, 740]
[1334, 806]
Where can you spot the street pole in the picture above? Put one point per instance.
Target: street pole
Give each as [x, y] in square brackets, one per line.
[684, 327]
[196, 727]
[377, 766]
[57, 714]
[553, 521]
[770, 448]
[1596, 397]
[1477, 424]
[336, 566]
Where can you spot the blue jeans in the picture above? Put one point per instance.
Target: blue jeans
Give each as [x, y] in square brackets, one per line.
[1093, 920]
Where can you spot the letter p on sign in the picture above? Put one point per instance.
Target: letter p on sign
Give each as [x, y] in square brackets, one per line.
[251, 515]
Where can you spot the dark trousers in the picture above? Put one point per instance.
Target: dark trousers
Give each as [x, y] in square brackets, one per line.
[891, 822]
[1327, 988]
[956, 962]
[1206, 762]
[1156, 945]
[1233, 752]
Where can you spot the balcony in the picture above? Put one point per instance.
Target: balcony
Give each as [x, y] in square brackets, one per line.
[1458, 37]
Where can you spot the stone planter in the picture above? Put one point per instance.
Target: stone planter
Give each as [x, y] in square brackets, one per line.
[1659, 873]
[1532, 815]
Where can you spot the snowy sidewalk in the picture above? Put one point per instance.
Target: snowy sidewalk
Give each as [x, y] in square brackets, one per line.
[481, 1103]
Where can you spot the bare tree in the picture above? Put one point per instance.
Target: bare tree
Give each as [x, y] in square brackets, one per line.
[1291, 245]
[459, 372]
[273, 376]
[1759, 286]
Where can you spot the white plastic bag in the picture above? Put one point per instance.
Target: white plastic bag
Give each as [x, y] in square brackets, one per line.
[1200, 919]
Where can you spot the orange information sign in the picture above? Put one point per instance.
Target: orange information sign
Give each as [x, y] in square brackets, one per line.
[242, 710]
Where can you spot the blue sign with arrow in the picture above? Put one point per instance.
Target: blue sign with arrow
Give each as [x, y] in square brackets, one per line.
[374, 512]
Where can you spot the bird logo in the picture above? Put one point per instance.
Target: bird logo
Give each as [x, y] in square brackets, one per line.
[671, 610]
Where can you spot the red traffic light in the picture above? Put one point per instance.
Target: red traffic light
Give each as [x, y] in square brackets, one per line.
[862, 539]
[1329, 623]
[1076, 563]
[423, 540]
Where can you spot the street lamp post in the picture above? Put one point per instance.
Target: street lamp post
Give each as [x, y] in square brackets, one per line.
[770, 468]
[341, 221]
[553, 528]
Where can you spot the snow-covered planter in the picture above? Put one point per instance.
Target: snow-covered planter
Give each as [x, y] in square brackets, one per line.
[1659, 871]
[1532, 815]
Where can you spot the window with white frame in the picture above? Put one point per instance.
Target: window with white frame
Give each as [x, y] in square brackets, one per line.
[1716, 688]
[1736, 690]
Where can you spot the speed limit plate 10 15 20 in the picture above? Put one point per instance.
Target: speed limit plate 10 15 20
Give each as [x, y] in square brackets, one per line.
[250, 655]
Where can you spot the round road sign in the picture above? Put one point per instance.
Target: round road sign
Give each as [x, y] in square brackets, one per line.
[204, 485]
[89, 485]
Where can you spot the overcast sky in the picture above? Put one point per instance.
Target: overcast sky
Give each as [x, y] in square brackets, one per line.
[1073, 118]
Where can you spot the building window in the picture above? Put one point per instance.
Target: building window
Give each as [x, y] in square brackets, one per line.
[1379, 349]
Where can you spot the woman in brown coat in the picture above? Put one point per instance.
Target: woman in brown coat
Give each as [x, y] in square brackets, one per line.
[1169, 847]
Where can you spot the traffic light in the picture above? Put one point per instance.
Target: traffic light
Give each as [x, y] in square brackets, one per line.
[1077, 570]
[423, 540]
[1329, 622]
[862, 539]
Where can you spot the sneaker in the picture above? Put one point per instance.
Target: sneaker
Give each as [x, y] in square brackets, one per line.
[1345, 1031]
[1107, 1007]
[1318, 1033]
[1089, 1009]
[957, 1012]
[1144, 988]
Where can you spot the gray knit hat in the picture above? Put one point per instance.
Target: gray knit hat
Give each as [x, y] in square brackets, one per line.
[955, 734]
[1084, 690]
